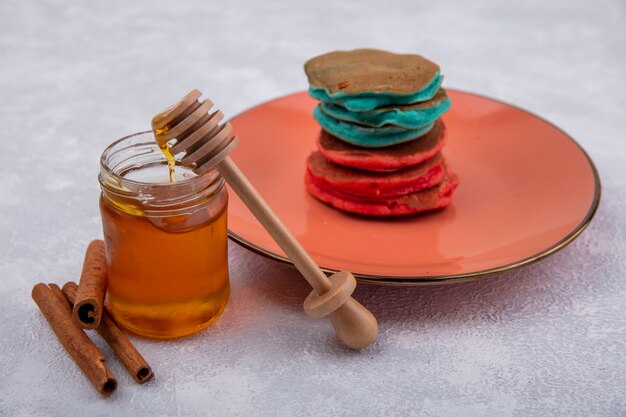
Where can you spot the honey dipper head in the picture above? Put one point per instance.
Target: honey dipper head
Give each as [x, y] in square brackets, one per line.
[187, 126]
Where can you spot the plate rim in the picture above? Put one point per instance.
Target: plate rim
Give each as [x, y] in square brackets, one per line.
[397, 280]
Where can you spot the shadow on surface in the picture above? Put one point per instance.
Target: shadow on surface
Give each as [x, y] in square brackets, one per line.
[528, 288]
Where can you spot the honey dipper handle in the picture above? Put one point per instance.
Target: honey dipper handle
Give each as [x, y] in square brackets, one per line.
[355, 325]
[285, 239]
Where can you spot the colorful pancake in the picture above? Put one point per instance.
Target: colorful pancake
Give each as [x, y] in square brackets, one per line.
[369, 137]
[432, 198]
[410, 116]
[382, 134]
[375, 184]
[390, 158]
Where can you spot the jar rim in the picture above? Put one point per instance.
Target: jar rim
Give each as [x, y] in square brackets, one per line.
[152, 196]
[109, 171]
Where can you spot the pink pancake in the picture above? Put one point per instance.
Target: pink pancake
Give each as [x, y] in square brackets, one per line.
[327, 175]
[389, 158]
[432, 198]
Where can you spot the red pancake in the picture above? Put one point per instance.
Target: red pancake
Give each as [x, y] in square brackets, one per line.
[389, 158]
[432, 198]
[327, 175]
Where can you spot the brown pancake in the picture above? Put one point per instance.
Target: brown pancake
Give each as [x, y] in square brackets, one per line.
[370, 70]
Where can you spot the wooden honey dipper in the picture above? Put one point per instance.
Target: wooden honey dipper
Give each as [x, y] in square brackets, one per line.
[188, 126]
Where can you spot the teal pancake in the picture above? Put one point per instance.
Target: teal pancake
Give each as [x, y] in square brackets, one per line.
[369, 137]
[369, 100]
[409, 116]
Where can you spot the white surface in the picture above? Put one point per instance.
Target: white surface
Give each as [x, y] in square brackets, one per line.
[546, 340]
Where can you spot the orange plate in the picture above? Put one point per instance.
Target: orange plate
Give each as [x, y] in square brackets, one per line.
[527, 189]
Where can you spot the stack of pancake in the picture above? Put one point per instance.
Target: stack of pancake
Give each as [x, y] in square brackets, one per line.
[379, 148]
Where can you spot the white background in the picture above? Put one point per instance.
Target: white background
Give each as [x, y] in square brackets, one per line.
[549, 339]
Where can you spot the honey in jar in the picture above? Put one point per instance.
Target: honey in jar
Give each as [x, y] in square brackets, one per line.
[166, 242]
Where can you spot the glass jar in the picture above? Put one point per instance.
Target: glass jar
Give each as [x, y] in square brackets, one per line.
[166, 242]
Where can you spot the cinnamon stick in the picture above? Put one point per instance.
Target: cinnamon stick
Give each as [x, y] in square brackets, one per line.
[87, 356]
[87, 311]
[123, 347]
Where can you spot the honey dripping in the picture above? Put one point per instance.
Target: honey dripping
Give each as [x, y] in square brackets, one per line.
[167, 151]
